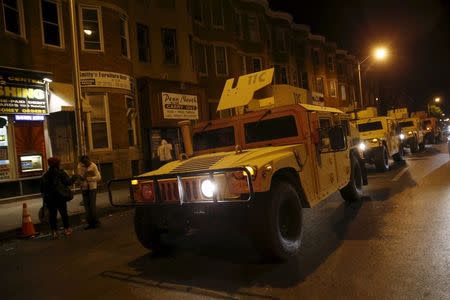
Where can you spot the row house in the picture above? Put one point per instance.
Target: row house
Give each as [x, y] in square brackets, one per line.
[145, 65]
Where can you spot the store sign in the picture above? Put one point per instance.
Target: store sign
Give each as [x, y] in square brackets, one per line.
[29, 118]
[179, 106]
[106, 80]
[22, 95]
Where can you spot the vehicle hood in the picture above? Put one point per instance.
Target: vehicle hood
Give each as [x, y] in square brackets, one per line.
[221, 160]
[375, 134]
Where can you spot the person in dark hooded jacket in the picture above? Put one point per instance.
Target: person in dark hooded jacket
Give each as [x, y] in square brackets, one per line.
[53, 199]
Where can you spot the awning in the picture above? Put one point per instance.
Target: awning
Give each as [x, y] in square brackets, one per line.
[62, 98]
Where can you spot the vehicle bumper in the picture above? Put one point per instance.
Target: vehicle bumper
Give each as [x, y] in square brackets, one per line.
[368, 155]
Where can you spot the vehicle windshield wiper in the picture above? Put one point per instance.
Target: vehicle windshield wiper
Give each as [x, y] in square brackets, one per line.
[206, 126]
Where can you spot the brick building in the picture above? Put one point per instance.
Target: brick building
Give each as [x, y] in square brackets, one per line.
[140, 62]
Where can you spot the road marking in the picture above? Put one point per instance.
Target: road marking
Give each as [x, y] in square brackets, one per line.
[400, 174]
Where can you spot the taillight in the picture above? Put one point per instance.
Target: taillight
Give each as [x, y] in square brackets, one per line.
[147, 191]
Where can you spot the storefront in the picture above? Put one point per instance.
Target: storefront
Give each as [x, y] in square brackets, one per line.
[24, 141]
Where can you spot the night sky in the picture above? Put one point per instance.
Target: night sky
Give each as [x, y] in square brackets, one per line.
[416, 32]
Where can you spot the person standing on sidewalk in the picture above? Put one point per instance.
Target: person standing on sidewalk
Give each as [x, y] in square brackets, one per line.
[55, 191]
[89, 175]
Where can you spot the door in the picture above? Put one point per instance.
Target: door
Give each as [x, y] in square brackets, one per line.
[326, 165]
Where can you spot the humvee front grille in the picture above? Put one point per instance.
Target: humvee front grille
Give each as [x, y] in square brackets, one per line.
[194, 164]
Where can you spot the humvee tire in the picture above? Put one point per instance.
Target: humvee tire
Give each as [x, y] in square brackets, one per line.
[352, 192]
[414, 146]
[381, 159]
[279, 231]
[147, 233]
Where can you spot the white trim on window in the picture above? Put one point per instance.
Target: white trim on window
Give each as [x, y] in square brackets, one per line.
[226, 60]
[100, 27]
[333, 88]
[60, 24]
[126, 37]
[21, 19]
[108, 124]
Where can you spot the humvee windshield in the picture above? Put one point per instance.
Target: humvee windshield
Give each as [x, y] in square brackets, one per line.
[272, 129]
[406, 124]
[215, 138]
[370, 126]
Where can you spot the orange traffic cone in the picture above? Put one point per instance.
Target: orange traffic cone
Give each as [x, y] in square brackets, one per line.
[27, 225]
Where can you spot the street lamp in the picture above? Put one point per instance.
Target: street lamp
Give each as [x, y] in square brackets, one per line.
[379, 54]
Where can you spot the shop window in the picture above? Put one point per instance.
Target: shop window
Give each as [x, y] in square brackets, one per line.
[143, 42]
[217, 13]
[201, 62]
[169, 43]
[253, 28]
[98, 122]
[257, 64]
[52, 33]
[220, 54]
[91, 29]
[124, 44]
[332, 84]
[131, 120]
[281, 76]
[198, 10]
[13, 17]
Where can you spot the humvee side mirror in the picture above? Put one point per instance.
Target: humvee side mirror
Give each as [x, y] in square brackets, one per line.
[337, 138]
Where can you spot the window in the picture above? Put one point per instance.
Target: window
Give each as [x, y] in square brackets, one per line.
[198, 10]
[370, 126]
[257, 64]
[201, 62]
[253, 28]
[343, 92]
[13, 17]
[131, 121]
[216, 138]
[98, 122]
[406, 124]
[243, 64]
[319, 85]
[52, 23]
[217, 13]
[340, 69]
[143, 42]
[281, 40]
[332, 84]
[238, 25]
[91, 29]
[272, 129]
[330, 63]
[304, 80]
[169, 41]
[315, 57]
[324, 130]
[281, 76]
[220, 54]
[124, 46]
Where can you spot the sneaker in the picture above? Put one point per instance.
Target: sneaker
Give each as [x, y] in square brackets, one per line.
[55, 234]
[68, 231]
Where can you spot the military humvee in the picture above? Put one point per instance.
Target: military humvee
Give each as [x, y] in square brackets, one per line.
[254, 172]
[380, 140]
[412, 134]
[432, 130]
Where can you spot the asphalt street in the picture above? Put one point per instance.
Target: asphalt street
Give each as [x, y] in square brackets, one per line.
[393, 245]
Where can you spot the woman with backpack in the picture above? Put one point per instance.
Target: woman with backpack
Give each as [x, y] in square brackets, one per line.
[55, 189]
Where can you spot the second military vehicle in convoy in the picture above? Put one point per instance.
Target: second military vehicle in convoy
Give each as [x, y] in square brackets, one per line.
[255, 171]
[380, 140]
[412, 134]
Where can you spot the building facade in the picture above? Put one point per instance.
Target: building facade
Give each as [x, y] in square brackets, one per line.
[144, 66]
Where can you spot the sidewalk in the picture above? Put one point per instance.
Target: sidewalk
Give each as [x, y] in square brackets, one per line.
[11, 213]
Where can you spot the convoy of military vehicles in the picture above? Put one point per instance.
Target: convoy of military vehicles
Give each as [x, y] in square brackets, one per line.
[257, 170]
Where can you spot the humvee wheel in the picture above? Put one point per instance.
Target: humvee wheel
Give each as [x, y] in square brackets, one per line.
[353, 190]
[398, 157]
[279, 231]
[147, 233]
[382, 159]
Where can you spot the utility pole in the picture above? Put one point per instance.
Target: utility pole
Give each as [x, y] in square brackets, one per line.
[81, 145]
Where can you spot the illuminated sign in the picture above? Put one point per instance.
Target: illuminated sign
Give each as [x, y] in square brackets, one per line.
[21, 94]
[29, 117]
[179, 106]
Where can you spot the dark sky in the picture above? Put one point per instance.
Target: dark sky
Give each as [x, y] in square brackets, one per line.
[416, 31]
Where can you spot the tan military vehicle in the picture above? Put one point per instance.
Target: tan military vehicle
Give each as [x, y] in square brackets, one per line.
[412, 134]
[432, 130]
[255, 172]
[380, 140]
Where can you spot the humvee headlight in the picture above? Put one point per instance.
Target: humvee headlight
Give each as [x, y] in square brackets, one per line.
[134, 182]
[374, 140]
[208, 188]
[362, 146]
[402, 136]
[428, 128]
[410, 132]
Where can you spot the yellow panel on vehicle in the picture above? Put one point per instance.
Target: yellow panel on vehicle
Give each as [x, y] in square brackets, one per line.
[311, 107]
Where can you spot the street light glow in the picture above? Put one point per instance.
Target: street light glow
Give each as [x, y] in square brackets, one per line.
[87, 31]
[380, 53]
[437, 99]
